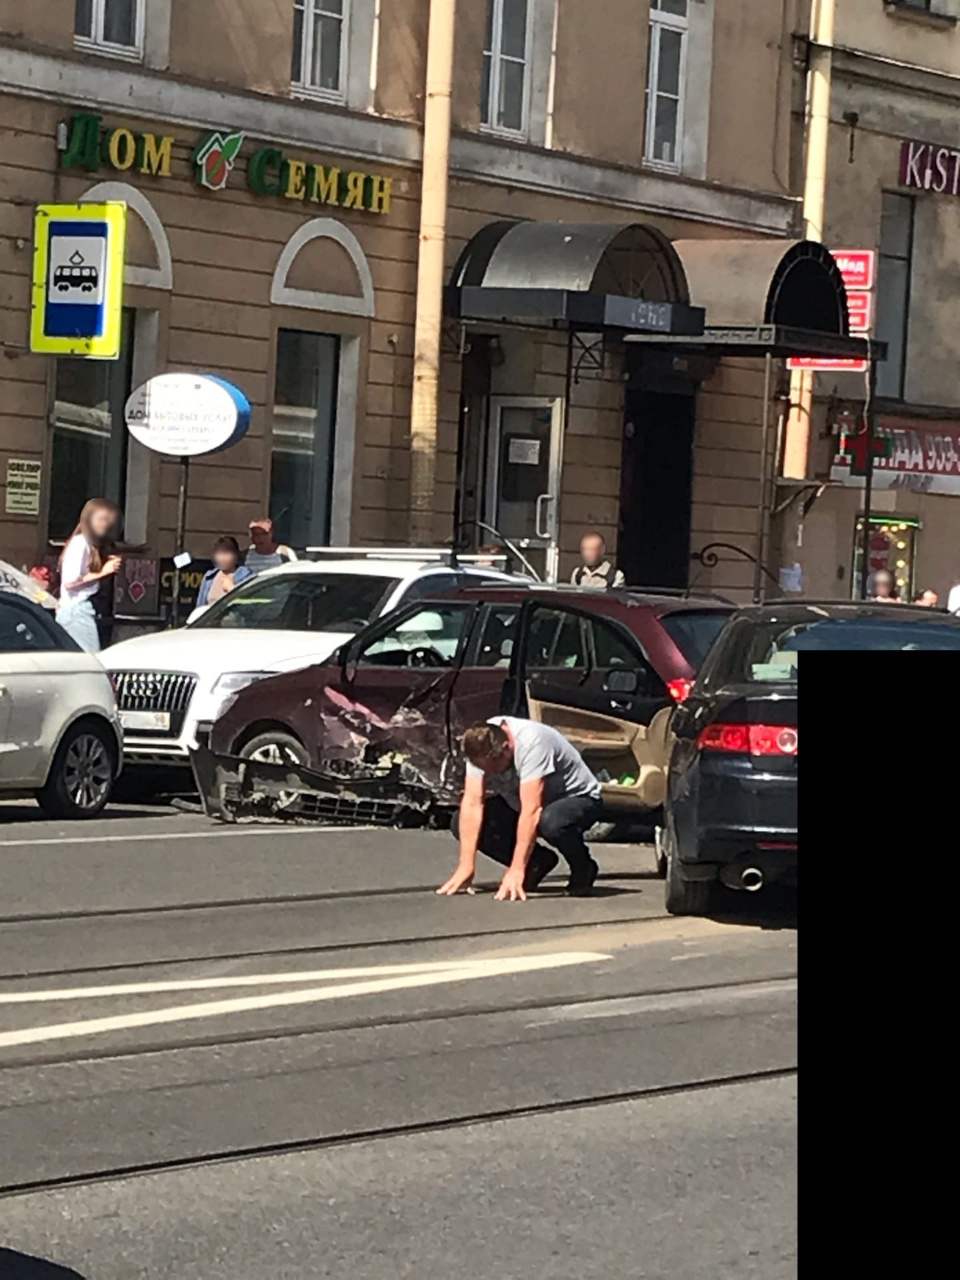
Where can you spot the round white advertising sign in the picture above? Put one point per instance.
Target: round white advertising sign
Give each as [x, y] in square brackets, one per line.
[184, 414]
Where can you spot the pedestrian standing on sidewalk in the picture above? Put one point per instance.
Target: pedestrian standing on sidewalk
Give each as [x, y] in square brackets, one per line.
[524, 781]
[883, 589]
[227, 571]
[596, 570]
[88, 560]
[265, 552]
[953, 599]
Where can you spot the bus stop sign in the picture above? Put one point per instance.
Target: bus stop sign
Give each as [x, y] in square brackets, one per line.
[78, 264]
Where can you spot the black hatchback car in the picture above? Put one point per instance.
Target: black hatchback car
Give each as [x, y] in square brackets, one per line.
[731, 812]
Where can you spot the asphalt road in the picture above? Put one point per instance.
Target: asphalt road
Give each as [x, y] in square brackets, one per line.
[274, 1052]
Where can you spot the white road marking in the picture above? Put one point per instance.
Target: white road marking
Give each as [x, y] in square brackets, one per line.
[181, 835]
[243, 980]
[252, 1004]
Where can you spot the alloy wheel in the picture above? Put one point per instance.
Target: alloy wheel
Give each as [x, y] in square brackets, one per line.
[87, 771]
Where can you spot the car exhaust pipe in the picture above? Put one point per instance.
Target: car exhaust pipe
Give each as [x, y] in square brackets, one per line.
[751, 879]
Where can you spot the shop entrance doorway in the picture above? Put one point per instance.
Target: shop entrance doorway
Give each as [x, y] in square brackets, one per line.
[523, 476]
[656, 489]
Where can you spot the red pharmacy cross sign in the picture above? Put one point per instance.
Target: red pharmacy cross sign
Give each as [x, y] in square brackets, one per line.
[855, 447]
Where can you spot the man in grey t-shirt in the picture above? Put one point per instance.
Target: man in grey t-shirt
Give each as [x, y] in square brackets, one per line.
[524, 780]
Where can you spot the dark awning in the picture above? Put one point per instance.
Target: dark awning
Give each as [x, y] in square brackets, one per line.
[796, 284]
[586, 276]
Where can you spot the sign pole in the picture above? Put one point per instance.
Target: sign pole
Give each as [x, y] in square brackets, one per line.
[871, 429]
[181, 533]
[183, 415]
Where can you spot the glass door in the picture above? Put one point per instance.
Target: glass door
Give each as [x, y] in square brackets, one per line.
[523, 477]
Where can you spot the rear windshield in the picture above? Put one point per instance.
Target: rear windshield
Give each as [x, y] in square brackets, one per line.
[339, 602]
[770, 652]
[694, 633]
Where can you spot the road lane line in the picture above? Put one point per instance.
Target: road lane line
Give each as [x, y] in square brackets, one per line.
[204, 834]
[252, 1004]
[241, 980]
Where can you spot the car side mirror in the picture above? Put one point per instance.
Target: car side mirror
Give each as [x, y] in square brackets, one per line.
[622, 681]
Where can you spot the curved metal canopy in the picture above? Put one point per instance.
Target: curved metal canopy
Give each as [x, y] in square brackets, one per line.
[586, 276]
[632, 261]
[794, 284]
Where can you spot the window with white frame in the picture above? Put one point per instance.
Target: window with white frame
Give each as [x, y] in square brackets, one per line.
[666, 76]
[320, 47]
[110, 26]
[506, 57]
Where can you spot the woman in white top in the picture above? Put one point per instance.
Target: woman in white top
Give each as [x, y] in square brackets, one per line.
[87, 559]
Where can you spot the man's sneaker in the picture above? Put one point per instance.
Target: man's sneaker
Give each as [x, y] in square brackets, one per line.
[581, 884]
[542, 862]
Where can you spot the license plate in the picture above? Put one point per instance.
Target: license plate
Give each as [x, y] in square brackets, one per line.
[145, 720]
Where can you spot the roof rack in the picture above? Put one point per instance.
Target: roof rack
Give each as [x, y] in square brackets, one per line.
[422, 555]
[834, 602]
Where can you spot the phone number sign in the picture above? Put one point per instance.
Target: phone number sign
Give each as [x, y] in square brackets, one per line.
[923, 457]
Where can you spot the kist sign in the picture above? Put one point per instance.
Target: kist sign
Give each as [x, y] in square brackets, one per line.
[85, 143]
[927, 166]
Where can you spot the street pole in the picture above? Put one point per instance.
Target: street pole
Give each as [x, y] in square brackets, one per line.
[871, 429]
[428, 331]
[796, 458]
[764, 482]
[181, 534]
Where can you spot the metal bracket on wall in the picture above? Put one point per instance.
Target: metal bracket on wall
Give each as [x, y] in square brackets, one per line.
[708, 558]
[454, 338]
[590, 353]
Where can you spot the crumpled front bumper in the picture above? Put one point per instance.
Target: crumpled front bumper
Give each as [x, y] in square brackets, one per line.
[233, 789]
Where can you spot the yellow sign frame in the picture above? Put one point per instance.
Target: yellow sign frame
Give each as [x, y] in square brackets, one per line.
[107, 345]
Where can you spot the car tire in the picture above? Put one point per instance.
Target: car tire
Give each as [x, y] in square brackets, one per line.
[81, 777]
[683, 897]
[275, 747]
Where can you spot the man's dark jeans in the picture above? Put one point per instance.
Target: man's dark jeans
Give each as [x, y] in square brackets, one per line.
[562, 825]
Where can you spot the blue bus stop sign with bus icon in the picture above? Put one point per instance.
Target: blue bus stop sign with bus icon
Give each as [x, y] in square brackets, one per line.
[78, 265]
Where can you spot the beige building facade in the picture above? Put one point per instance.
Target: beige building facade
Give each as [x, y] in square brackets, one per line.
[893, 188]
[269, 154]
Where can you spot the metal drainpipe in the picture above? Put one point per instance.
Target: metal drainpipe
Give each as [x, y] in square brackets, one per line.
[425, 401]
[796, 458]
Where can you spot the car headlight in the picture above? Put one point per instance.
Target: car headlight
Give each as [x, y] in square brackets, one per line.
[228, 686]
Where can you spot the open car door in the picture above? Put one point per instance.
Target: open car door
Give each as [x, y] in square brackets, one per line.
[589, 678]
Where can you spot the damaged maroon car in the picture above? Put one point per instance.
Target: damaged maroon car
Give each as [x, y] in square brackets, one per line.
[373, 735]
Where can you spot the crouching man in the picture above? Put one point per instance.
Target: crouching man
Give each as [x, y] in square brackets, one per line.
[524, 781]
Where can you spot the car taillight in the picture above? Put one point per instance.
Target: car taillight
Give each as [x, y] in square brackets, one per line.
[750, 739]
[679, 690]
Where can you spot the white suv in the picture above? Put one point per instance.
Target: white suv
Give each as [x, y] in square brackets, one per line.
[281, 620]
[59, 731]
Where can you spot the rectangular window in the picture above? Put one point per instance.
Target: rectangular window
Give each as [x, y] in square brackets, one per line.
[304, 426]
[320, 47]
[894, 269]
[110, 26]
[90, 435]
[505, 59]
[666, 76]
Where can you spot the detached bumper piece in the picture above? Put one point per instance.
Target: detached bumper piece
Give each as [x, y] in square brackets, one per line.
[233, 789]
